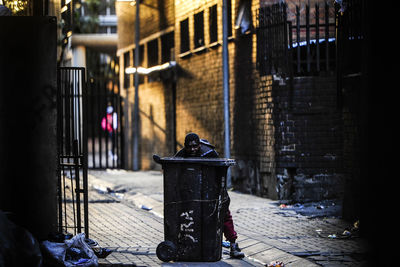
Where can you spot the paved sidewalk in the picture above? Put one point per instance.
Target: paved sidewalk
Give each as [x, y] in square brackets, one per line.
[120, 219]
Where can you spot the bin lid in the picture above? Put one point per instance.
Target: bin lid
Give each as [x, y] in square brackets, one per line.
[204, 161]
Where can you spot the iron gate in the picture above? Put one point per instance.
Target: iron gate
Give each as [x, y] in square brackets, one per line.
[72, 151]
[89, 135]
[105, 115]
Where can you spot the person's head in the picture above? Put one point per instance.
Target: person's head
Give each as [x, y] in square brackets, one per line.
[110, 109]
[192, 144]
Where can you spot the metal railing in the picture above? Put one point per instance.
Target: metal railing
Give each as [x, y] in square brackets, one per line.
[304, 44]
[313, 48]
[72, 151]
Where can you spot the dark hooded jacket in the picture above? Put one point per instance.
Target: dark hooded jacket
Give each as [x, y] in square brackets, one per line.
[206, 151]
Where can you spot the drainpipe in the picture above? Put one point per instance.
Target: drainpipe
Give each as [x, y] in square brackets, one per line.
[225, 67]
[136, 98]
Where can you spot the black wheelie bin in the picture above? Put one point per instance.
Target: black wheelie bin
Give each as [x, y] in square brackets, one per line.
[195, 204]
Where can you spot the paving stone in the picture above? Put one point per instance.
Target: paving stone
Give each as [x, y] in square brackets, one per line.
[265, 233]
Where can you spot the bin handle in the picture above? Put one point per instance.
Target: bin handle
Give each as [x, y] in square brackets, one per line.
[157, 158]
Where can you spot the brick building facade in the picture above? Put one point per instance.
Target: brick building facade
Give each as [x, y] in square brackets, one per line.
[286, 135]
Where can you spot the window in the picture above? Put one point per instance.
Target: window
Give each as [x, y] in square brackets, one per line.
[141, 55]
[213, 22]
[102, 29]
[167, 47]
[199, 29]
[127, 77]
[185, 46]
[107, 29]
[152, 53]
[152, 58]
[229, 7]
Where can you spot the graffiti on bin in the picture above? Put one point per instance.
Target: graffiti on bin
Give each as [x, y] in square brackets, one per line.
[187, 226]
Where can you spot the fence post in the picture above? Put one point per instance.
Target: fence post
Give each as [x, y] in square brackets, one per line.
[317, 34]
[298, 37]
[308, 38]
[327, 35]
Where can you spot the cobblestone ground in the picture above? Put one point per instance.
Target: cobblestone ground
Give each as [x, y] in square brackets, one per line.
[133, 234]
[129, 232]
[296, 234]
[265, 231]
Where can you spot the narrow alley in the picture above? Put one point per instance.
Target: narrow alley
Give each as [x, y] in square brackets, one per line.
[125, 216]
[269, 102]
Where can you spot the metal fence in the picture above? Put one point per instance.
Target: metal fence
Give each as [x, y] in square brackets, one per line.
[272, 52]
[105, 135]
[313, 48]
[72, 151]
[296, 40]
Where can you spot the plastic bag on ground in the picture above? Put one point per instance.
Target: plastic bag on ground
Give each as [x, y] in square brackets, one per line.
[73, 252]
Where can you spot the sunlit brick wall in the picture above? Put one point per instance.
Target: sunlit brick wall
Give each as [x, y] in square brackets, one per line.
[200, 98]
[200, 88]
[156, 19]
[153, 124]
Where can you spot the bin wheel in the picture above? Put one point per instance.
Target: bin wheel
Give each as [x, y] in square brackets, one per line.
[166, 251]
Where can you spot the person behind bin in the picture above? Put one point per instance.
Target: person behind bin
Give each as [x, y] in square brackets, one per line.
[196, 147]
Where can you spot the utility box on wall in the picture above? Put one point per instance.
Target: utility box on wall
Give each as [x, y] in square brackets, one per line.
[28, 120]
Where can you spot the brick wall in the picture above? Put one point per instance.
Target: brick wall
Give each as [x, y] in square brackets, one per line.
[157, 18]
[308, 137]
[287, 142]
[199, 97]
